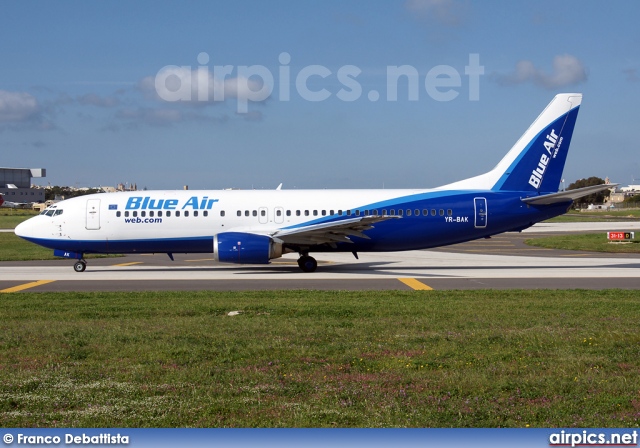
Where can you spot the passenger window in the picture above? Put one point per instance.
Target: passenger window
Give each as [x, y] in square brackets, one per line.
[441, 212]
[160, 214]
[278, 213]
[297, 212]
[264, 213]
[425, 212]
[306, 213]
[255, 213]
[348, 212]
[357, 212]
[169, 213]
[449, 212]
[400, 212]
[339, 212]
[315, 213]
[246, 213]
[221, 213]
[195, 213]
[239, 213]
[143, 213]
[384, 211]
[206, 213]
[135, 214]
[126, 214]
[433, 212]
[324, 213]
[366, 213]
[288, 212]
[117, 214]
[416, 212]
[331, 212]
[151, 213]
[178, 213]
[186, 213]
[392, 212]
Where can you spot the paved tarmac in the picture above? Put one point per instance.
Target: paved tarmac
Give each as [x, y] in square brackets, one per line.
[501, 262]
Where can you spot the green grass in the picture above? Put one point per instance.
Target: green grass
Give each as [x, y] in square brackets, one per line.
[14, 248]
[321, 359]
[596, 242]
[605, 216]
[10, 218]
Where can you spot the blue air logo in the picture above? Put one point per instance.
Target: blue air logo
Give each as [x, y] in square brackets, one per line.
[146, 203]
[552, 149]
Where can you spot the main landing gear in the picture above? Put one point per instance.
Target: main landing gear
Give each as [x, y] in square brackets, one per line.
[307, 263]
[80, 266]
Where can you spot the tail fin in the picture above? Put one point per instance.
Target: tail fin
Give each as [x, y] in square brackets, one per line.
[535, 163]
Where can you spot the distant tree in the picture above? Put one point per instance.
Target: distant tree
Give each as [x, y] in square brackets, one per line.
[634, 198]
[67, 192]
[596, 198]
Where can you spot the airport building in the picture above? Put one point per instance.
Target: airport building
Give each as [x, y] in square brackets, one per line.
[15, 184]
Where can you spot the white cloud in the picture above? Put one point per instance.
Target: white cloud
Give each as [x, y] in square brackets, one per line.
[447, 12]
[184, 84]
[17, 107]
[567, 70]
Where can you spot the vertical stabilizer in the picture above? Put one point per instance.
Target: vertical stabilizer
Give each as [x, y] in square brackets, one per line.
[535, 163]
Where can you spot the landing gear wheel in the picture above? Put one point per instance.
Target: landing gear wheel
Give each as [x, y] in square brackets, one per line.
[80, 266]
[307, 263]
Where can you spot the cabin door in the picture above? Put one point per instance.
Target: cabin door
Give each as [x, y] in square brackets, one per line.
[93, 214]
[480, 206]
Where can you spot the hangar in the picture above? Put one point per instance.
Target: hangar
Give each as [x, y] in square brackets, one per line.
[15, 184]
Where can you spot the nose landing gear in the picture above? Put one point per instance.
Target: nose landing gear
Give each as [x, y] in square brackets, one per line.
[80, 266]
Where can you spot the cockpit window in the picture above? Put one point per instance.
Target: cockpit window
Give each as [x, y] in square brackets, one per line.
[50, 212]
[58, 212]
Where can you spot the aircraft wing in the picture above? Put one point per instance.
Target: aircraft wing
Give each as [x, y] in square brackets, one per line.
[568, 195]
[330, 232]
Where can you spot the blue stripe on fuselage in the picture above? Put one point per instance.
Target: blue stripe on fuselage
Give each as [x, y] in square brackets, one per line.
[505, 212]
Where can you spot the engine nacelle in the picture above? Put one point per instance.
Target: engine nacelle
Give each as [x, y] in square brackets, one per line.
[245, 248]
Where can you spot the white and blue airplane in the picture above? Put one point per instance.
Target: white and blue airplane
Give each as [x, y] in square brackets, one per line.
[253, 227]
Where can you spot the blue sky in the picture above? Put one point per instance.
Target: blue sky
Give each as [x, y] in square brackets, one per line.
[78, 90]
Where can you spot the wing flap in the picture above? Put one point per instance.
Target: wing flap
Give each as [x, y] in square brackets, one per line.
[330, 232]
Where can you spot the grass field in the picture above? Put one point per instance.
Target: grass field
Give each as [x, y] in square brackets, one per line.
[10, 218]
[321, 359]
[605, 216]
[14, 248]
[594, 242]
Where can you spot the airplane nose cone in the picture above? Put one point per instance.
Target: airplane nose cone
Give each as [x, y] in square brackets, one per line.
[23, 230]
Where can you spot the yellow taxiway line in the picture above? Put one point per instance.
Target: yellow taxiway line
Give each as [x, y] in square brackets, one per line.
[26, 286]
[415, 284]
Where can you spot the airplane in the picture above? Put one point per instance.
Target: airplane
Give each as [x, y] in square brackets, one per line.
[10, 204]
[256, 226]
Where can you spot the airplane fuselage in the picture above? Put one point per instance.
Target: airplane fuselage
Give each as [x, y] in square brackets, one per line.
[186, 221]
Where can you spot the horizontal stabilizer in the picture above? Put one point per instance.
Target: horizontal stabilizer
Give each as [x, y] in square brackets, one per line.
[565, 196]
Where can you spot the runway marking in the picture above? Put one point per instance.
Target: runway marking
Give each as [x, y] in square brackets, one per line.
[415, 284]
[202, 259]
[130, 263]
[27, 286]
